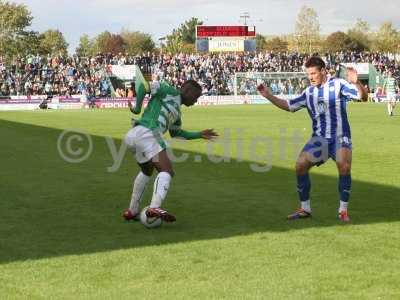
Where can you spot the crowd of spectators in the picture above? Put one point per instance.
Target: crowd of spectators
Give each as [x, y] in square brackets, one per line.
[65, 76]
[61, 76]
[284, 85]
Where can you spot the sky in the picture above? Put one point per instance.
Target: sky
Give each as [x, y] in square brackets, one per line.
[159, 17]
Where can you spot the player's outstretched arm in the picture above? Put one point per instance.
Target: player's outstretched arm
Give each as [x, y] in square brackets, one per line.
[138, 106]
[176, 131]
[209, 134]
[281, 103]
[352, 77]
[131, 106]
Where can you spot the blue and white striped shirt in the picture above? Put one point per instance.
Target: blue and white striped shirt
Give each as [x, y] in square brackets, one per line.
[326, 106]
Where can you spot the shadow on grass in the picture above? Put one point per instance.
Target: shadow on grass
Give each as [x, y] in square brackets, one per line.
[52, 208]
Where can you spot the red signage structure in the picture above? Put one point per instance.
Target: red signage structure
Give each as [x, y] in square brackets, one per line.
[203, 31]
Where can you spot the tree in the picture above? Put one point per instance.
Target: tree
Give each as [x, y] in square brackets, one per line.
[86, 46]
[137, 42]
[188, 48]
[260, 42]
[115, 44]
[387, 38]
[29, 43]
[362, 26]
[188, 30]
[360, 36]
[174, 43]
[337, 41]
[100, 42]
[107, 42]
[53, 42]
[277, 45]
[307, 29]
[14, 19]
[183, 38]
[293, 43]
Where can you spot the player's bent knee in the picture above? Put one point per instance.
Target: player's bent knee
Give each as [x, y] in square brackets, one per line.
[344, 168]
[147, 169]
[301, 168]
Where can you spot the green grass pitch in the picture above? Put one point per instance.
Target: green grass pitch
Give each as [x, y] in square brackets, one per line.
[62, 235]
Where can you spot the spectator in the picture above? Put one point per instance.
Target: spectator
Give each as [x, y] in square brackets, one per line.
[34, 74]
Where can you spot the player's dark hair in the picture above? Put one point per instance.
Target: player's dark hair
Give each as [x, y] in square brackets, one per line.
[193, 84]
[315, 61]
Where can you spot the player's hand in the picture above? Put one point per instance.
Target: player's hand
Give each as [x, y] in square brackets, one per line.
[130, 104]
[263, 90]
[209, 134]
[131, 108]
[352, 75]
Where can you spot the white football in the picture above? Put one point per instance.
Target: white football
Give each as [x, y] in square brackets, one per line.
[149, 222]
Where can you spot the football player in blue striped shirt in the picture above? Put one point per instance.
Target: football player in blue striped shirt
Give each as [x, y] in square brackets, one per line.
[325, 100]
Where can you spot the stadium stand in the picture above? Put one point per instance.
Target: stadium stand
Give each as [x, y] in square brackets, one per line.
[65, 76]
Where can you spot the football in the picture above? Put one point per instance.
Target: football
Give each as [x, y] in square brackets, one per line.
[149, 222]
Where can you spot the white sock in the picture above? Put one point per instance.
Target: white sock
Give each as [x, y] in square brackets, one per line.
[139, 186]
[343, 206]
[161, 186]
[306, 205]
[389, 108]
